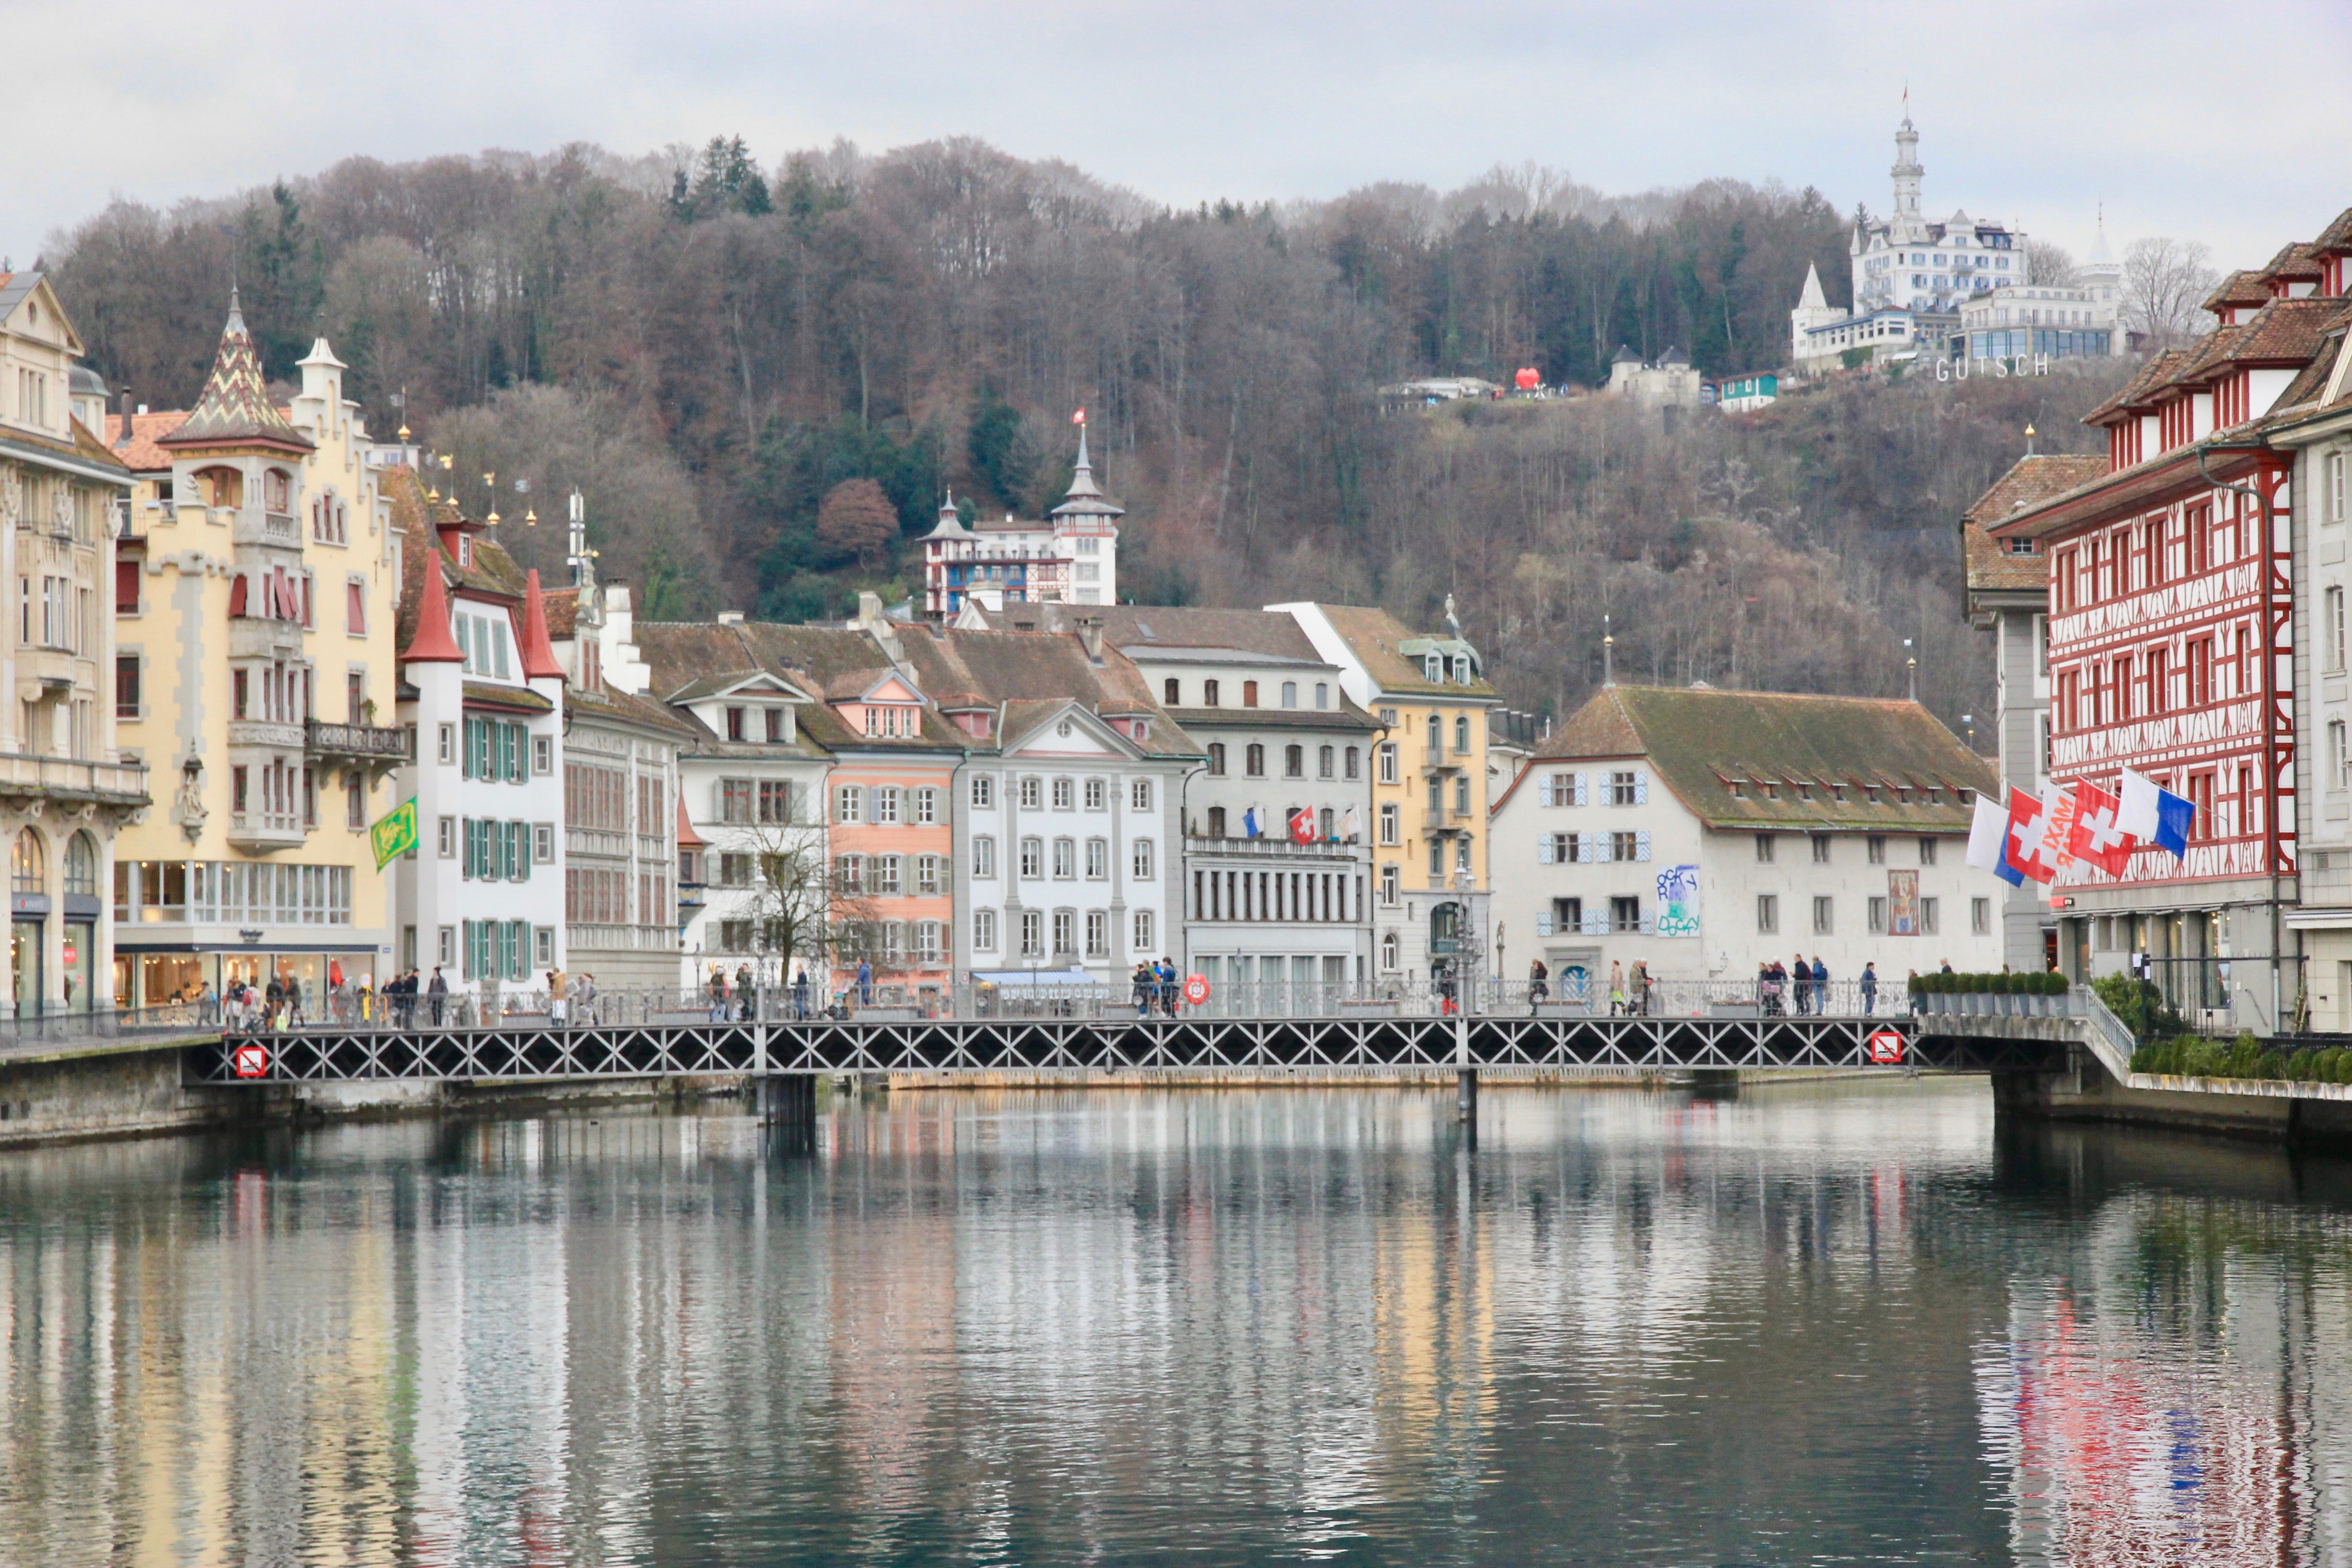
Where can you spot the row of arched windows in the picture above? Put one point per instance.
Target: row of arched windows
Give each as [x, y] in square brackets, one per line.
[28, 864]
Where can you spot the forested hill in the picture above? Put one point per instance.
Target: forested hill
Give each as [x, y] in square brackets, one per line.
[707, 348]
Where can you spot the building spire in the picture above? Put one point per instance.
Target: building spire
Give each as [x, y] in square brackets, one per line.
[433, 643]
[235, 409]
[539, 660]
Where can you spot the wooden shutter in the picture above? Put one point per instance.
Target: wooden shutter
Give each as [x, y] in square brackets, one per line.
[1543, 849]
[1641, 843]
[1543, 790]
[1642, 791]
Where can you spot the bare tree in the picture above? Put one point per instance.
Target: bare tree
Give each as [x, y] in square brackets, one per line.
[800, 909]
[2165, 280]
[2051, 265]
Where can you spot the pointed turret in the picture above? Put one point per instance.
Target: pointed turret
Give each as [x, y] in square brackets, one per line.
[432, 644]
[1086, 506]
[1812, 299]
[235, 409]
[539, 660]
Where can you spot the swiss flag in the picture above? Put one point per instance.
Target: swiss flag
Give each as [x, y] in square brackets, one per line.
[2031, 854]
[1302, 826]
[2096, 837]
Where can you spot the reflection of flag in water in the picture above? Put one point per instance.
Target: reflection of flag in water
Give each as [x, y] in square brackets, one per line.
[2122, 1450]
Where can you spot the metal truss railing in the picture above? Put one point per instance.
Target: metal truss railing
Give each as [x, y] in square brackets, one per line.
[1489, 1044]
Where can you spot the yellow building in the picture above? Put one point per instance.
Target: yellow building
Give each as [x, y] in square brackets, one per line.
[1429, 691]
[64, 793]
[252, 664]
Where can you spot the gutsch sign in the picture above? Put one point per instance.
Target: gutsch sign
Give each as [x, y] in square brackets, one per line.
[1991, 369]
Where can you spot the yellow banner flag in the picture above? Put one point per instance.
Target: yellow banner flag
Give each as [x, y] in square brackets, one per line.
[394, 833]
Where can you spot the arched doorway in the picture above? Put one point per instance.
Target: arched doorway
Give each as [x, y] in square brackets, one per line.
[79, 911]
[28, 903]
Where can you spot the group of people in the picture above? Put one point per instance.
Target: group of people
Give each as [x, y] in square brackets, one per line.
[1155, 988]
[1805, 987]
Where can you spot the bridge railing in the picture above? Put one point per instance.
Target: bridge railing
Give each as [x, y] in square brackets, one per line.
[32, 1032]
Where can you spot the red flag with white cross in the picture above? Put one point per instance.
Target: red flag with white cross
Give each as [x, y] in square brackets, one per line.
[2028, 846]
[2098, 838]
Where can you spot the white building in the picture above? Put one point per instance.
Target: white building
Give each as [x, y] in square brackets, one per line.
[1070, 559]
[482, 899]
[1672, 382]
[1707, 832]
[1064, 809]
[1911, 276]
[2008, 595]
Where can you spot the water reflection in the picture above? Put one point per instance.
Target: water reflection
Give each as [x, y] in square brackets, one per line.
[1814, 1322]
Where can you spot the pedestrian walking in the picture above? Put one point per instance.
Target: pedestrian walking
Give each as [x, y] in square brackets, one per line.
[1869, 990]
[1820, 986]
[436, 994]
[1911, 989]
[717, 992]
[747, 995]
[865, 982]
[1640, 988]
[1143, 980]
[801, 992]
[583, 1000]
[556, 1014]
[1166, 973]
[1616, 989]
[1539, 986]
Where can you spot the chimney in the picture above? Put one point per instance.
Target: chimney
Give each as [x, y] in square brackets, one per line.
[730, 618]
[1090, 634]
[124, 439]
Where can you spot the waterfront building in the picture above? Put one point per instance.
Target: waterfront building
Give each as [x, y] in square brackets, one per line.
[255, 586]
[752, 782]
[2189, 641]
[623, 800]
[1911, 278]
[1263, 901]
[1072, 558]
[1705, 832]
[65, 791]
[2006, 592]
[1430, 693]
[1066, 805]
[482, 897]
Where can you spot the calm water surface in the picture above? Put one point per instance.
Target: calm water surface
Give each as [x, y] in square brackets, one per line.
[1842, 1323]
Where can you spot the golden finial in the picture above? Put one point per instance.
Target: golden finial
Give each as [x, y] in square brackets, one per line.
[529, 517]
[433, 493]
[490, 480]
[492, 520]
[403, 435]
[447, 461]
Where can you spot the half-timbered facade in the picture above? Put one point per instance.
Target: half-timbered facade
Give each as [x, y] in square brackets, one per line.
[2172, 643]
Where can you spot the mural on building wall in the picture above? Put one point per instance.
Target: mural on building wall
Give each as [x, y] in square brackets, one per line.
[1902, 903]
[1678, 902]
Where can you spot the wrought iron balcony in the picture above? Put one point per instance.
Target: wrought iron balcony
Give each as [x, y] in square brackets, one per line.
[363, 742]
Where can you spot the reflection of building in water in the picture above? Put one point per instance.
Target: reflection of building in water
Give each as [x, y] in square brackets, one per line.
[2121, 1448]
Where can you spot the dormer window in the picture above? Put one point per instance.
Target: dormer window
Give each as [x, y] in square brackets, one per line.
[1771, 790]
[778, 729]
[1432, 669]
[734, 724]
[1739, 789]
[1462, 670]
[1804, 792]
[465, 551]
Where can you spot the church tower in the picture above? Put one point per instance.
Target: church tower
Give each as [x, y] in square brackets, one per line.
[1906, 225]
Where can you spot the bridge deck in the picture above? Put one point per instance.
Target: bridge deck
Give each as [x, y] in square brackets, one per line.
[1490, 1043]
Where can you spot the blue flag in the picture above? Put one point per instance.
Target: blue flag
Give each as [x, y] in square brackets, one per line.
[2174, 814]
[2155, 814]
[1249, 822]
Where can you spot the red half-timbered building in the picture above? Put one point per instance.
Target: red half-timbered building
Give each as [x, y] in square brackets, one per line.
[2172, 637]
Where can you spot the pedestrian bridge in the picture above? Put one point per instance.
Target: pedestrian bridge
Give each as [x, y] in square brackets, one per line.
[1491, 1044]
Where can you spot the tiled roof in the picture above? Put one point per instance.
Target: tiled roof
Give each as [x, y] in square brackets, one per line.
[562, 612]
[2336, 237]
[814, 656]
[2293, 263]
[2241, 288]
[142, 454]
[413, 517]
[2135, 392]
[1001, 670]
[1142, 627]
[1347, 716]
[624, 707]
[235, 409]
[1699, 741]
[2031, 480]
[1376, 637]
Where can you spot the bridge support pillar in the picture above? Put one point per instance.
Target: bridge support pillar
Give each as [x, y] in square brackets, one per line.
[1465, 1096]
[787, 1103]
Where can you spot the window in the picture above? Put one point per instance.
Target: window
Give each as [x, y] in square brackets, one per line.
[1216, 822]
[1143, 938]
[849, 873]
[1249, 693]
[1625, 789]
[1436, 858]
[1767, 913]
[2335, 757]
[1462, 795]
[1822, 912]
[849, 804]
[734, 724]
[1462, 734]
[886, 806]
[1066, 795]
[1326, 763]
[1293, 762]
[734, 869]
[983, 930]
[1625, 846]
[1355, 763]
[126, 686]
[1208, 694]
[1877, 845]
[1098, 930]
[1254, 760]
[1878, 917]
[354, 800]
[1138, 794]
[1172, 692]
[1625, 914]
[1098, 859]
[886, 874]
[1391, 883]
[1290, 694]
[1390, 953]
[1926, 851]
[1065, 858]
[1033, 858]
[1098, 794]
[1064, 932]
[1032, 793]
[1432, 668]
[1388, 756]
[448, 745]
[1141, 868]
[1981, 916]
[983, 792]
[1437, 737]
[983, 856]
[1216, 759]
[2332, 618]
[772, 721]
[445, 837]
[1033, 934]
[1391, 823]
[1821, 848]
[1927, 916]
[1763, 849]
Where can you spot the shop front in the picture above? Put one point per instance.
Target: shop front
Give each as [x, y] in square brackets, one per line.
[161, 977]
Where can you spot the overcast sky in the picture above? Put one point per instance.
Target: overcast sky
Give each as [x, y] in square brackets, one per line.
[2031, 114]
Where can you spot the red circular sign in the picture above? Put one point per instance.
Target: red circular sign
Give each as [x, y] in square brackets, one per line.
[252, 1061]
[1196, 989]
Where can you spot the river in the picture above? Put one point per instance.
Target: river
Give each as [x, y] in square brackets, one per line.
[1814, 1323]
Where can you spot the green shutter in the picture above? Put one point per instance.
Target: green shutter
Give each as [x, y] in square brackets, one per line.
[466, 949]
[523, 837]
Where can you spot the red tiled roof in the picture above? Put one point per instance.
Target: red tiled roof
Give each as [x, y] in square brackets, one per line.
[2241, 287]
[2337, 237]
[2032, 479]
[142, 454]
[2293, 263]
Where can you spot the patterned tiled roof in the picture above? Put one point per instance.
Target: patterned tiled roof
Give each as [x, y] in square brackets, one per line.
[2034, 479]
[2241, 288]
[236, 409]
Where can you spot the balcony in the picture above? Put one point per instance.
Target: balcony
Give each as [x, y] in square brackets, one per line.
[1438, 760]
[1274, 845]
[263, 637]
[263, 831]
[254, 527]
[358, 742]
[1441, 824]
[266, 734]
[63, 778]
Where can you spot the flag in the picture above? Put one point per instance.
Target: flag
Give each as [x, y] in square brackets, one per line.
[2058, 804]
[1986, 835]
[2152, 813]
[1302, 826]
[1353, 827]
[1249, 822]
[394, 833]
[2026, 848]
[1080, 417]
[2096, 837]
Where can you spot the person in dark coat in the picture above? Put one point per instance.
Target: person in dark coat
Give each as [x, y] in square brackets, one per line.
[1869, 989]
[1821, 986]
[436, 995]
